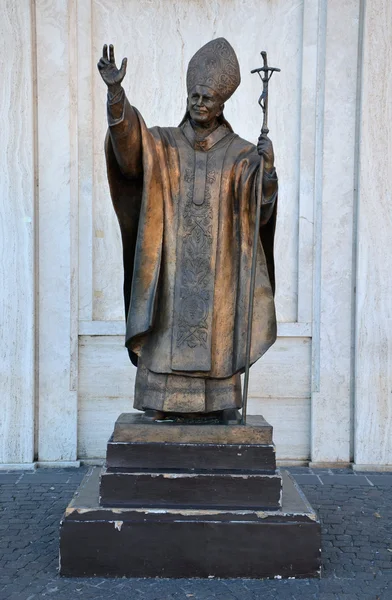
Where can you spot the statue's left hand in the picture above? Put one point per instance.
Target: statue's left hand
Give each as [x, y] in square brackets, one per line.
[266, 149]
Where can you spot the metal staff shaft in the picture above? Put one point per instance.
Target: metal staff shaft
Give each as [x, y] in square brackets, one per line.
[252, 291]
[263, 101]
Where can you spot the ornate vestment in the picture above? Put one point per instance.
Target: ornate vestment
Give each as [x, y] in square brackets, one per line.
[187, 218]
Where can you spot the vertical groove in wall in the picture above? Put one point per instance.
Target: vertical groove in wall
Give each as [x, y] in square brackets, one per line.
[299, 154]
[93, 142]
[36, 222]
[87, 70]
[74, 191]
[357, 158]
[318, 191]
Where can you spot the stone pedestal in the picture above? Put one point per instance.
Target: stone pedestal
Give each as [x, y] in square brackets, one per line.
[189, 501]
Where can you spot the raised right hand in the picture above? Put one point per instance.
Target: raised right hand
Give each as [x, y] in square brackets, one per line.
[108, 70]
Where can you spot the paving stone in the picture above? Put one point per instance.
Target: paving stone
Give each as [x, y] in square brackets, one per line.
[307, 479]
[299, 470]
[8, 478]
[344, 471]
[378, 480]
[355, 481]
[322, 471]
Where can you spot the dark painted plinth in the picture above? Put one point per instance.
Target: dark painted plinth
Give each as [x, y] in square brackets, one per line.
[190, 456]
[187, 500]
[148, 542]
[177, 465]
[190, 490]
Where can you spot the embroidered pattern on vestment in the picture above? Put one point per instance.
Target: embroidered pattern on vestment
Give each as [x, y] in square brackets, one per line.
[197, 277]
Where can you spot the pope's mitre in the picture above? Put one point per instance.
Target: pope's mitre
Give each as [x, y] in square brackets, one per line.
[216, 66]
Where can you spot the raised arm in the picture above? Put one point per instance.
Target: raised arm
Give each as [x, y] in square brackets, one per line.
[123, 122]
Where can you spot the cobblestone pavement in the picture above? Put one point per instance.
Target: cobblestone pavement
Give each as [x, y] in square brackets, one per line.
[355, 510]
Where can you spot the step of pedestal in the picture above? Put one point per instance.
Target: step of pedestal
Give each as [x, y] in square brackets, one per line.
[259, 458]
[145, 542]
[193, 490]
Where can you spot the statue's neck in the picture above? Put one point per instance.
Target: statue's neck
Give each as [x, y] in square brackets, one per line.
[203, 131]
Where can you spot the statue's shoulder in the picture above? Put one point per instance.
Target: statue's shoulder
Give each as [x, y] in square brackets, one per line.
[241, 149]
[243, 145]
[164, 133]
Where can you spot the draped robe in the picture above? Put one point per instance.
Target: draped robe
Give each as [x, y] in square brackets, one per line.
[186, 210]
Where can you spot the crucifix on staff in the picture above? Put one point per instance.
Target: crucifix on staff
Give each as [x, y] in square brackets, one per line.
[265, 72]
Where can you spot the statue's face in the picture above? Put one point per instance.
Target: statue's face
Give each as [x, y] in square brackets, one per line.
[204, 105]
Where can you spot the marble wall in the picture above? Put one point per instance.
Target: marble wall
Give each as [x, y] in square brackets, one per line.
[333, 299]
[57, 139]
[65, 376]
[17, 230]
[373, 314]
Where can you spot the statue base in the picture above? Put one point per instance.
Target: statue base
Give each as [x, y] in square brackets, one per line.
[170, 502]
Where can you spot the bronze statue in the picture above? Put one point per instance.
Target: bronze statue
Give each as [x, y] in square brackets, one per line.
[185, 198]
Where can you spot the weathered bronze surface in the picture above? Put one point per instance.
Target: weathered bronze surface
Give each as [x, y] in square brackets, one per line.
[134, 428]
[185, 198]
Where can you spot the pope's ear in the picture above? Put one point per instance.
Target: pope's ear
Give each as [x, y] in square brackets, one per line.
[221, 108]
